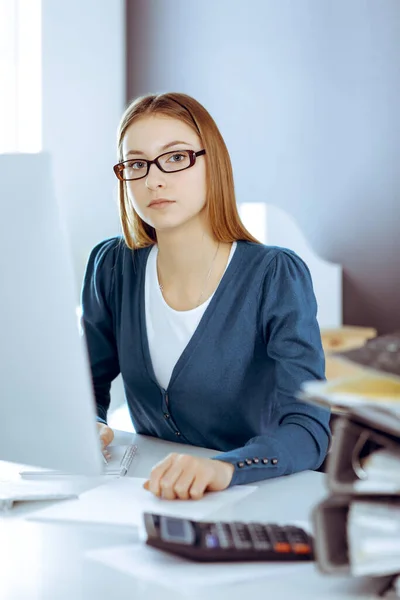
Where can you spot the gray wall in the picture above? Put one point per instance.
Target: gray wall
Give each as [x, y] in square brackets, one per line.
[306, 94]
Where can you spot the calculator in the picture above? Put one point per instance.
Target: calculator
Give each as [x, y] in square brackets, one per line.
[220, 541]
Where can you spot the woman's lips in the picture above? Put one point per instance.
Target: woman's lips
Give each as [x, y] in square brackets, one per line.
[160, 203]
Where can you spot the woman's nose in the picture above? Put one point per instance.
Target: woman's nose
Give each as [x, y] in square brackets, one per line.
[155, 178]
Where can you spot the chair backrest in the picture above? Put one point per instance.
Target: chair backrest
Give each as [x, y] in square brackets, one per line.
[280, 229]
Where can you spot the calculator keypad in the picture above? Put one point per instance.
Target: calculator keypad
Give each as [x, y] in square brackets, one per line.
[235, 541]
[257, 536]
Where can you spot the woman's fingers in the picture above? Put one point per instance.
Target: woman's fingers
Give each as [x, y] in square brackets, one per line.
[188, 477]
[199, 485]
[106, 434]
[183, 483]
[169, 479]
[157, 473]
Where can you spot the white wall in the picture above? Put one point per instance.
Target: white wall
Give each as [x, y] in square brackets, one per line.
[83, 99]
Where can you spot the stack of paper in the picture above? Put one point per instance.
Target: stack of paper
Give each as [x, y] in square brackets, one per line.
[373, 530]
[363, 470]
[377, 385]
[381, 473]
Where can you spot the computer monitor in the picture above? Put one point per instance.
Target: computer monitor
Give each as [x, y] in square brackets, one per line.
[47, 412]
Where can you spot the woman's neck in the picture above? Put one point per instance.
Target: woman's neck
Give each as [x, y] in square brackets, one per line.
[190, 265]
[185, 253]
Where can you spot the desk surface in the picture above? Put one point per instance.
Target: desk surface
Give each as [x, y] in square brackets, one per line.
[46, 561]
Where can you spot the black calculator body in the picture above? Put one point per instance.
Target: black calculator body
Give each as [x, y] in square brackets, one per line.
[218, 541]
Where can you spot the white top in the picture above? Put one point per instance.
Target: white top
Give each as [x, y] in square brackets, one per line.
[168, 331]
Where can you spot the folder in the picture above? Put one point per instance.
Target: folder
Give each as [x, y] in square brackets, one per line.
[365, 454]
[329, 522]
[358, 537]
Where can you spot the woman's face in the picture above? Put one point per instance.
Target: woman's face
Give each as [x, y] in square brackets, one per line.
[184, 191]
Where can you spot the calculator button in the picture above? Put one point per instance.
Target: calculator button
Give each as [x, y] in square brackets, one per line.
[299, 540]
[241, 536]
[302, 548]
[282, 547]
[223, 533]
[211, 541]
[260, 538]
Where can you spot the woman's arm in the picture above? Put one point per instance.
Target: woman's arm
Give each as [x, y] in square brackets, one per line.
[98, 324]
[300, 435]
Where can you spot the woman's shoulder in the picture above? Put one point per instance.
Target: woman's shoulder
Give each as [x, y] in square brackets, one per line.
[111, 259]
[114, 251]
[271, 255]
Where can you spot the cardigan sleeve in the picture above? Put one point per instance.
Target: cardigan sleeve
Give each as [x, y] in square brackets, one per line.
[299, 437]
[97, 322]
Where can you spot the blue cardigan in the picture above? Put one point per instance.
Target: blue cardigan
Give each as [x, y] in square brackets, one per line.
[234, 387]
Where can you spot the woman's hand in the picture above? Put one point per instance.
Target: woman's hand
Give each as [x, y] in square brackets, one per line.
[106, 436]
[188, 477]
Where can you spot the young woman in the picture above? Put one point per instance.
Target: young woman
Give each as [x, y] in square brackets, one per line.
[212, 332]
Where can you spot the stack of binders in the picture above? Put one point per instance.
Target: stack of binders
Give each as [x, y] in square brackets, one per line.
[357, 527]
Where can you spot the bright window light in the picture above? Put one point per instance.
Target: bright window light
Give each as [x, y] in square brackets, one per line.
[20, 76]
[254, 217]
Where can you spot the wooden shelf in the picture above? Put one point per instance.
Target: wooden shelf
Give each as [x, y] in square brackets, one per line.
[339, 340]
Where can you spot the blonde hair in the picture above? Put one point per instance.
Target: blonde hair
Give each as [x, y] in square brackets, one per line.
[223, 215]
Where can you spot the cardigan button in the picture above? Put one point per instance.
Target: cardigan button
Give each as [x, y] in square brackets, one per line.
[248, 461]
[274, 461]
[256, 461]
[166, 415]
[265, 461]
[240, 464]
[177, 433]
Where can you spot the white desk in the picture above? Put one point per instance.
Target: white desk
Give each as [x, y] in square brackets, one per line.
[41, 561]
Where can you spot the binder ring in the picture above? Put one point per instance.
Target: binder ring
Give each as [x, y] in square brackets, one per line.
[355, 456]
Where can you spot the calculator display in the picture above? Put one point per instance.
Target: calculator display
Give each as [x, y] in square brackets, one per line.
[178, 531]
[175, 529]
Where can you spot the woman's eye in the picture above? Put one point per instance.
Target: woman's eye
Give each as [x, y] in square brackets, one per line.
[137, 164]
[177, 157]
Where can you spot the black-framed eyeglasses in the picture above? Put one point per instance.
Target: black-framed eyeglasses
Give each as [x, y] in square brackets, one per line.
[169, 162]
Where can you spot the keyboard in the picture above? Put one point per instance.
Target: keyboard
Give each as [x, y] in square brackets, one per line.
[117, 466]
[22, 491]
[124, 463]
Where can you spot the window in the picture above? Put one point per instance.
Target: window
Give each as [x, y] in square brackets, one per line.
[254, 217]
[20, 76]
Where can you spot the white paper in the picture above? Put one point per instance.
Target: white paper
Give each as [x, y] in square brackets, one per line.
[149, 564]
[373, 530]
[122, 502]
